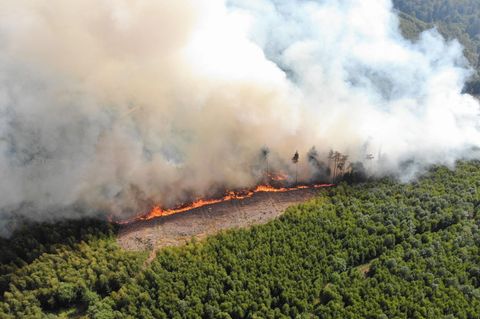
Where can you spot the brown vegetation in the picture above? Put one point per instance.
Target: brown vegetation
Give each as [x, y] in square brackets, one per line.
[199, 222]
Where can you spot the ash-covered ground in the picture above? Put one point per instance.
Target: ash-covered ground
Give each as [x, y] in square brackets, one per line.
[200, 222]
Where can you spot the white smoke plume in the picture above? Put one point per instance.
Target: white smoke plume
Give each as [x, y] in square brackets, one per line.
[111, 106]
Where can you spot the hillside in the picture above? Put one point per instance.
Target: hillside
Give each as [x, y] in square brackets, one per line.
[156, 108]
[454, 19]
[374, 250]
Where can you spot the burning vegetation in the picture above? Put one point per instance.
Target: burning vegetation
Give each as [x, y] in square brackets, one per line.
[158, 211]
[323, 175]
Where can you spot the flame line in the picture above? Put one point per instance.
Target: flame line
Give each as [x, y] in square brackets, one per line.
[157, 211]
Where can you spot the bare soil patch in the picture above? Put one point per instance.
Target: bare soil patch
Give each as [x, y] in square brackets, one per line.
[200, 222]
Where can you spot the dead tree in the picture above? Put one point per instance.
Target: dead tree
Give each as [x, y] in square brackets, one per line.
[339, 163]
[264, 153]
[295, 161]
[342, 162]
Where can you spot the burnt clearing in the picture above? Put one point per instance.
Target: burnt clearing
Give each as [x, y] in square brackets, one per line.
[200, 222]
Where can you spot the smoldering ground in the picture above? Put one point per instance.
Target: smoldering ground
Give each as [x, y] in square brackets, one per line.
[109, 106]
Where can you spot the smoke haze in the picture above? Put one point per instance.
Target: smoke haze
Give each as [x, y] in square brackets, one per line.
[112, 106]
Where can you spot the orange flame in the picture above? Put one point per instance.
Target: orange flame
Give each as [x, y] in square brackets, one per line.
[277, 177]
[157, 211]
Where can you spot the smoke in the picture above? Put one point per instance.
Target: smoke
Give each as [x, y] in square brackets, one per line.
[111, 106]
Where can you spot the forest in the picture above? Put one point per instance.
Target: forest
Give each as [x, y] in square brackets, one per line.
[374, 249]
[379, 249]
[454, 19]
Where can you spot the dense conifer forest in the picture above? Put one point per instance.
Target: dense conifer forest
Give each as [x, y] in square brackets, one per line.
[379, 249]
[454, 19]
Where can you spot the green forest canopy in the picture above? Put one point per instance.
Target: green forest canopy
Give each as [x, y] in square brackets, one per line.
[454, 19]
[374, 250]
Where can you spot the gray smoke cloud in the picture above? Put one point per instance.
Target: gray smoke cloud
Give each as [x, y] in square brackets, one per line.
[112, 106]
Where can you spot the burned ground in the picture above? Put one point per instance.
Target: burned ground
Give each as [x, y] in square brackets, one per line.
[200, 222]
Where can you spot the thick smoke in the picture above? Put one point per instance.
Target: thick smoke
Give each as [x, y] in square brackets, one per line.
[111, 106]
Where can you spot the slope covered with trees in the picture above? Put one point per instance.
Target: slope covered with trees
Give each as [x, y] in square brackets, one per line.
[379, 249]
[373, 250]
[454, 19]
[60, 270]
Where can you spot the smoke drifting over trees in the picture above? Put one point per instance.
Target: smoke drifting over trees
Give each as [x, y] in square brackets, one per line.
[112, 106]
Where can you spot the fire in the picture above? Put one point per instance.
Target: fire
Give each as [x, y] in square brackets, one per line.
[157, 211]
[271, 189]
[277, 177]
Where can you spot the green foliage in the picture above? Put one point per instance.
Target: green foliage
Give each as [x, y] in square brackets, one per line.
[374, 250]
[454, 19]
[62, 269]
